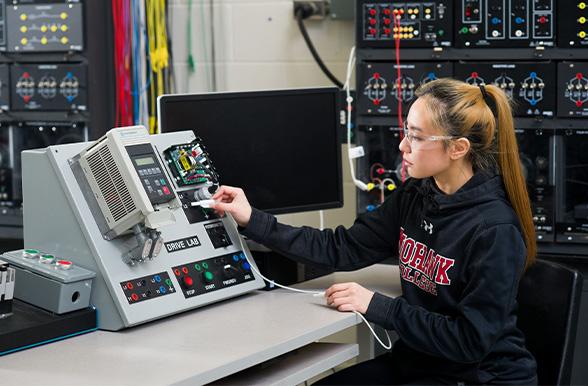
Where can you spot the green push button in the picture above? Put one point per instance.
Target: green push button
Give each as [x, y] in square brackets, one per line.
[208, 275]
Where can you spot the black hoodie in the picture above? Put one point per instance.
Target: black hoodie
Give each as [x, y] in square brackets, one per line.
[460, 257]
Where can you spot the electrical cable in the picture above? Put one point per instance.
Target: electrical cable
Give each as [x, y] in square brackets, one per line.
[212, 50]
[387, 346]
[145, 68]
[136, 63]
[398, 76]
[191, 63]
[299, 18]
[372, 169]
[204, 45]
[350, 65]
[158, 55]
[171, 85]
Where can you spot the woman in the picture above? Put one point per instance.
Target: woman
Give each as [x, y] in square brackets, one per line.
[462, 229]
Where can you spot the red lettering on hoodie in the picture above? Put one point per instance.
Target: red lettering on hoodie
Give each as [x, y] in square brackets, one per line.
[419, 255]
[442, 268]
[432, 258]
[407, 250]
[401, 241]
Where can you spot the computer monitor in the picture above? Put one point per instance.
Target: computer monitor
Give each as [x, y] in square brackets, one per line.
[281, 146]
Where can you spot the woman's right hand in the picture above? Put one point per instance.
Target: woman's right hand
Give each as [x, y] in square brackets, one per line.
[234, 201]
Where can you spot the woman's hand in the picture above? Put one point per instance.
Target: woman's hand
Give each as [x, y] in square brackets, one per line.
[234, 201]
[349, 297]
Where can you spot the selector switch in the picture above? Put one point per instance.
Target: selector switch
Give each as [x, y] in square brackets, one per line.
[230, 271]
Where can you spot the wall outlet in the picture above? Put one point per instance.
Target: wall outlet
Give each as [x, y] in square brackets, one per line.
[318, 9]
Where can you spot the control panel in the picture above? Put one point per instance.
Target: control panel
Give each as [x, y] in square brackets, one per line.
[44, 26]
[572, 31]
[2, 25]
[148, 287]
[572, 89]
[572, 201]
[382, 166]
[4, 87]
[51, 282]
[203, 276]
[537, 161]
[502, 23]
[5, 165]
[48, 87]
[414, 23]
[382, 89]
[32, 136]
[166, 256]
[527, 83]
[151, 173]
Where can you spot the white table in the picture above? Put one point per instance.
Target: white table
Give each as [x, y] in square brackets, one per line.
[207, 344]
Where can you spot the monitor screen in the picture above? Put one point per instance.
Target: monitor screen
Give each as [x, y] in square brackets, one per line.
[281, 147]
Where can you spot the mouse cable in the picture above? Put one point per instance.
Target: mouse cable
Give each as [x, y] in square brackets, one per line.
[314, 293]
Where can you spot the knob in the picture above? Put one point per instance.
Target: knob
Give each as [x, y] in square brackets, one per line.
[202, 194]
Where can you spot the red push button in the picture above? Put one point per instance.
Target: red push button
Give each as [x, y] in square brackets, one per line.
[188, 282]
[64, 264]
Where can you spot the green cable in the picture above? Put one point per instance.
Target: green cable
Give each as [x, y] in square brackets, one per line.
[204, 43]
[191, 63]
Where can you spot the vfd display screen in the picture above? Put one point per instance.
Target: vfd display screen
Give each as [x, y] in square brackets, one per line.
[144, 161]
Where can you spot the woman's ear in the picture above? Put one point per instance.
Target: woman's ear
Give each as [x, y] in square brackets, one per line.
[459, 148]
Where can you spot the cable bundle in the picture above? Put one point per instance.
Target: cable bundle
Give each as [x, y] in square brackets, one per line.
[141, 60]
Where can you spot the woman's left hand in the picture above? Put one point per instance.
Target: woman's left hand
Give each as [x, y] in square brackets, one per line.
[349, 297]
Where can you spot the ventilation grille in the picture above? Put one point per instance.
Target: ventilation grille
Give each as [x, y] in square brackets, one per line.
[111, 184]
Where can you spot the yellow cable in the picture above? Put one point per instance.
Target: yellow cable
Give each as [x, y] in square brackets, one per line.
[158, 53]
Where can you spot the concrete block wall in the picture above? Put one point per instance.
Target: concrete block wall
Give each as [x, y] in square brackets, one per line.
[258, 46]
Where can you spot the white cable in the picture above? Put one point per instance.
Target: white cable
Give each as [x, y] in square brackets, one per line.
[312, 292]
[386, 346]
[350, 65]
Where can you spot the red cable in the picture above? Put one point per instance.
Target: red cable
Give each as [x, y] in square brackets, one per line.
[398, 74]
[115, 41]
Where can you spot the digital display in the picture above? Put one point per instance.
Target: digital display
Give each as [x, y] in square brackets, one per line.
[144, 161]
